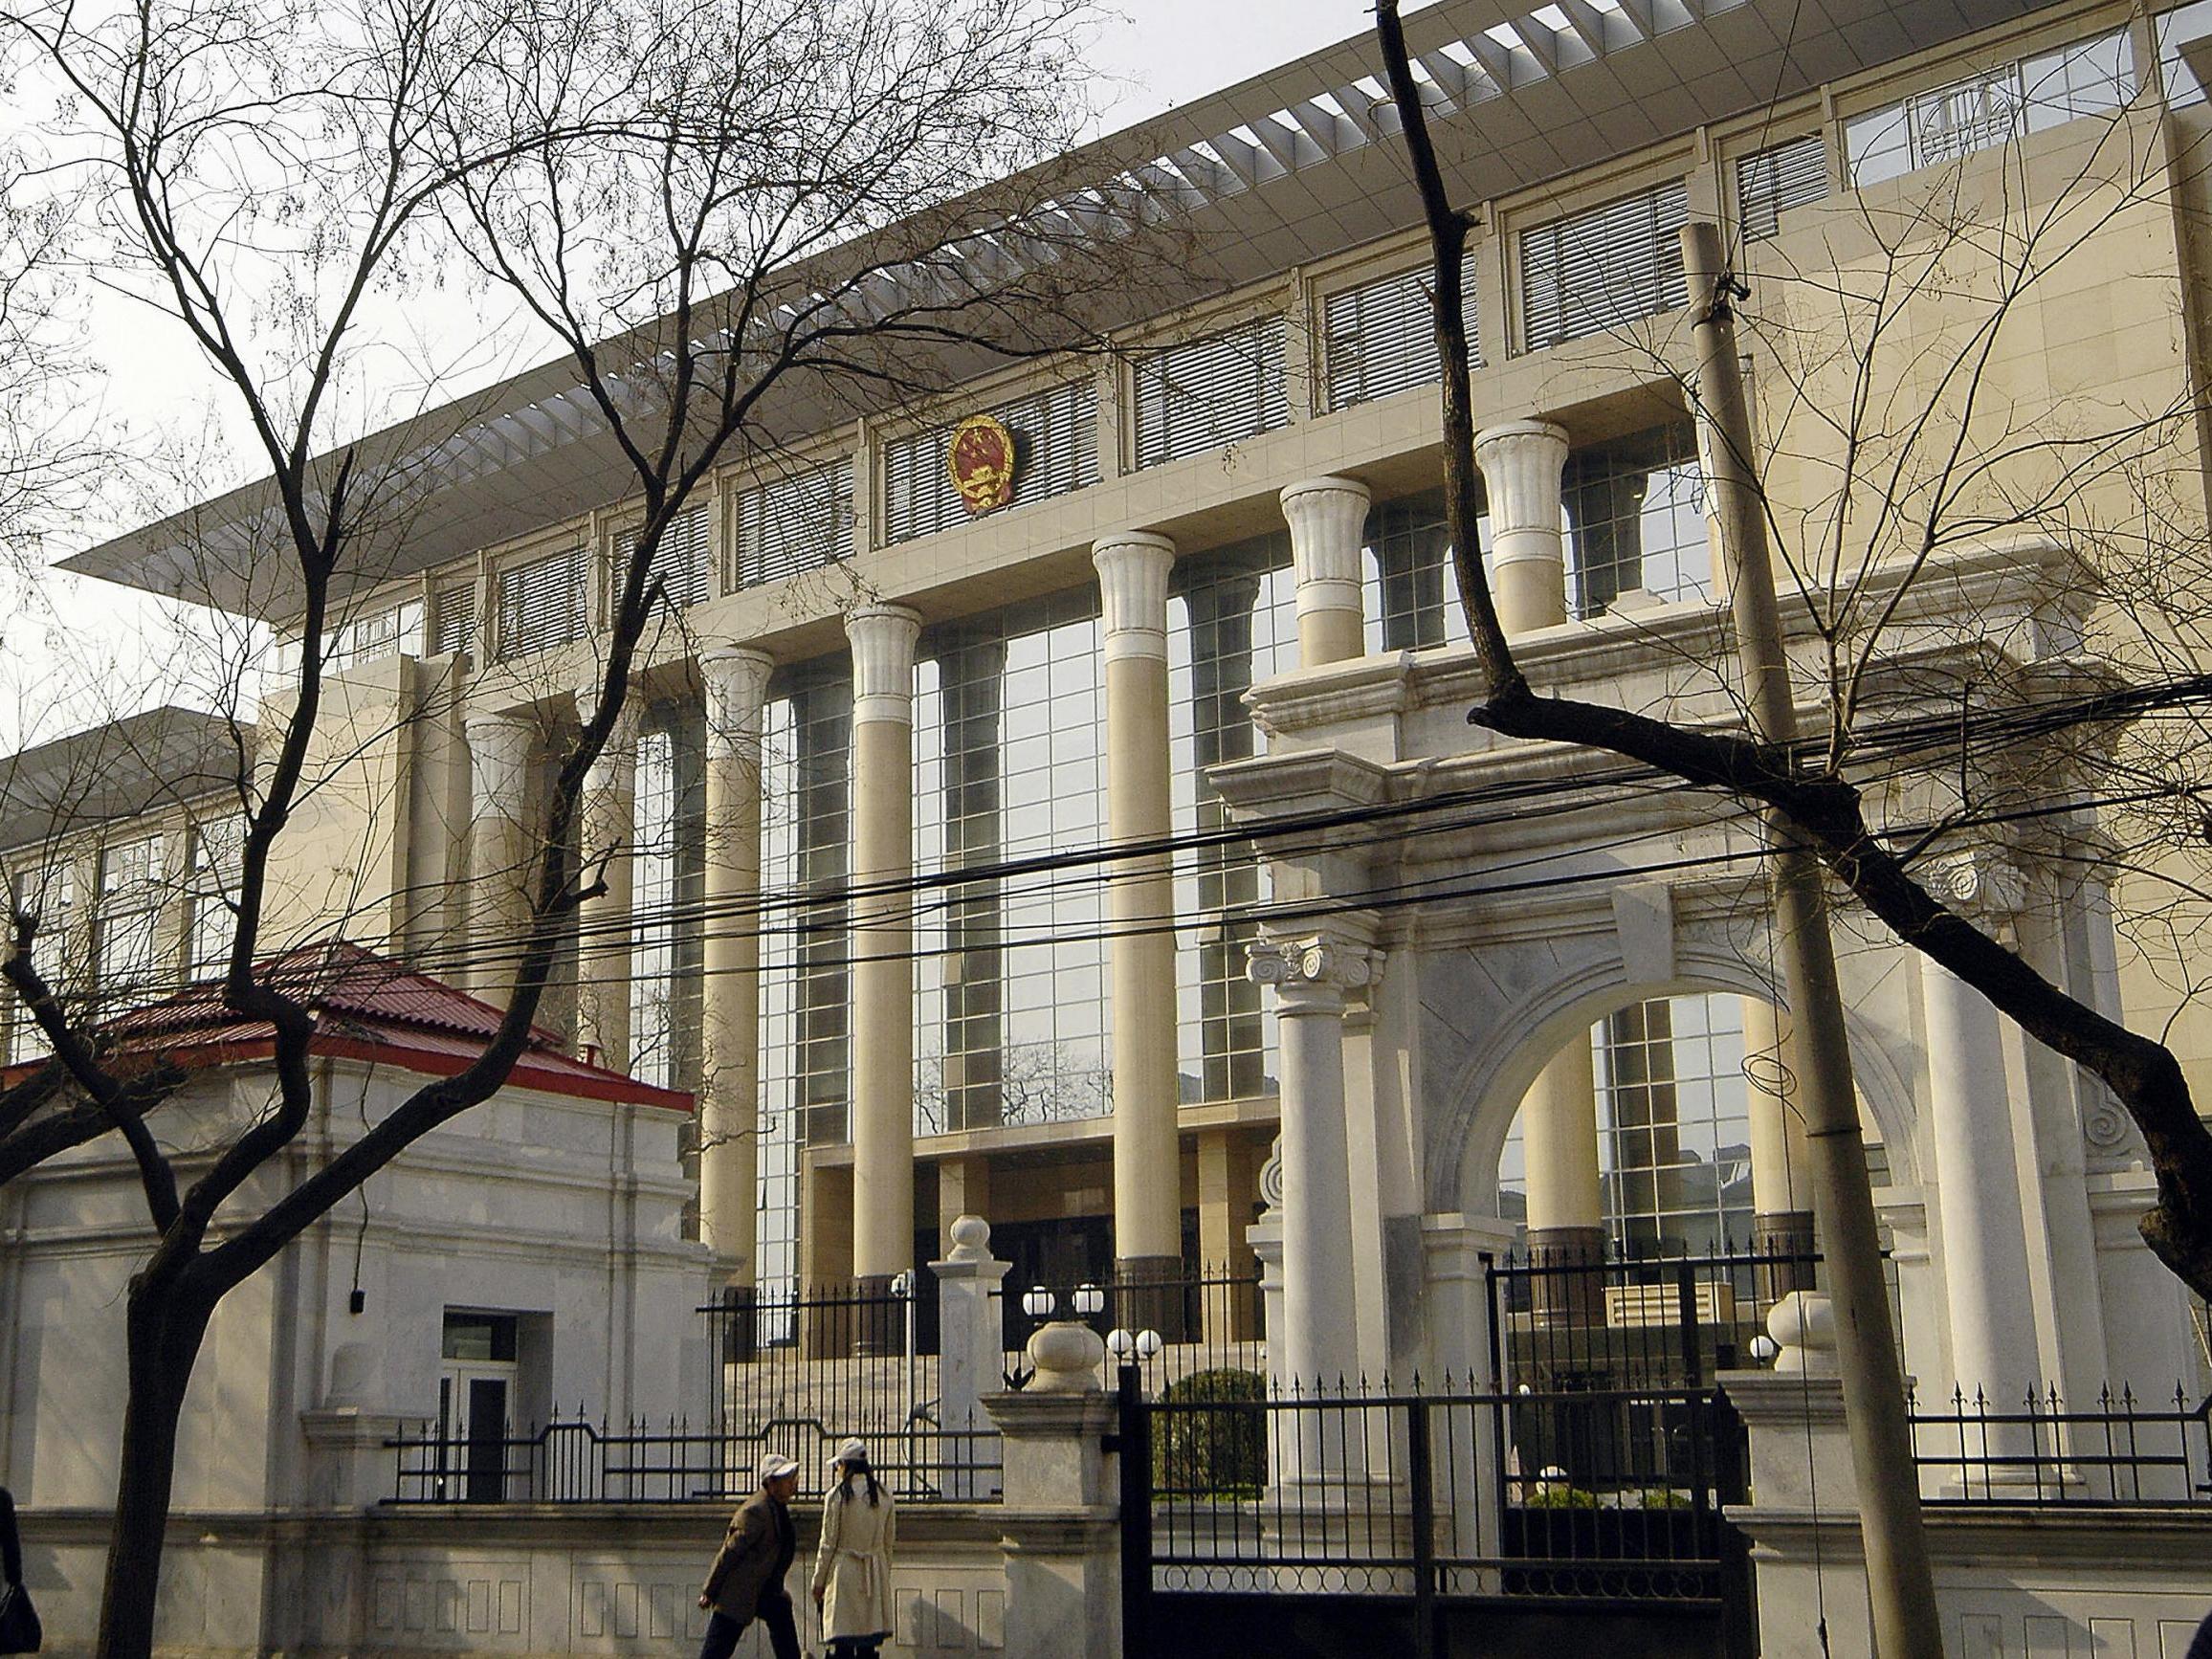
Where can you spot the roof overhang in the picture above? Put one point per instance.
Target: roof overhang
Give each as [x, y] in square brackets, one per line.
[1289, 166]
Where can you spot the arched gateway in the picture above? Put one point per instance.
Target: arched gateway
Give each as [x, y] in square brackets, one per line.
[1453, 911]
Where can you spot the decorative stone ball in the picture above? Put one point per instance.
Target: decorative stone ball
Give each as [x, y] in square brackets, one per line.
[1804, 1327]
[971, 1238]
[1067, 1356]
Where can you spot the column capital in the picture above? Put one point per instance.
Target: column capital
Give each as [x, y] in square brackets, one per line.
[1312, 973]
[1521, 464]
[488, 727]
[1133, 569]
[1983, 883]
[1328, 521]
[883, 638]
[734, 681]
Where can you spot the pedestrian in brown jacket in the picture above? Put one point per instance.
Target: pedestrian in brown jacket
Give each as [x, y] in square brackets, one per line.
[747, 1581]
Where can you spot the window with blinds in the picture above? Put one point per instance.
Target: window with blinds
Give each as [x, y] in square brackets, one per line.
[1773, 181]
[1204, 393]
[1379, 337]
[1603, 268]
[1055, 433]
[682, 564]
[797, 523]
[454, 622]
[543, 602]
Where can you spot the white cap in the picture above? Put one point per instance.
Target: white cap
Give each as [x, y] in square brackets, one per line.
[775, 1466]
[851, 1452]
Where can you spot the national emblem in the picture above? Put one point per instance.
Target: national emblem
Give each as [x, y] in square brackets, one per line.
[982, 459]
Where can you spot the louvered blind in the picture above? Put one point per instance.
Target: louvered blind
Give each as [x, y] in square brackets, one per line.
[1055, 437]
[1206, 392]
[543, 604]
[1777, 179]
[797, 523]
[1598, 269]
[1381, 336]
[455, 625]
[680, 563]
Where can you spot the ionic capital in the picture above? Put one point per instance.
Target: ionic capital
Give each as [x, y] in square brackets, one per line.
[1312, 974]
[1522, 462]
[883, 638]
[1133, 570]
[1982, 884]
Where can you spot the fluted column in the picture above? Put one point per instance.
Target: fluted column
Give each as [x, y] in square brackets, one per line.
[605, 843]
[1133, 572]
[1309, 975]
[883, 639]
[736, 686]
[1782, 1200]
[500, 848]
[1521, 464]
[1328, 521]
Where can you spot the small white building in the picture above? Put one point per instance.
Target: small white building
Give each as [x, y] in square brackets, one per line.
[527, 1258]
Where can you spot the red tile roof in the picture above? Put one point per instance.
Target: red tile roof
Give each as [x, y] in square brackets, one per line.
[367, 1008]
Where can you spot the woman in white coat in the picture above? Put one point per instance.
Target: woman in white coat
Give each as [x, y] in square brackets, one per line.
[852, 1568]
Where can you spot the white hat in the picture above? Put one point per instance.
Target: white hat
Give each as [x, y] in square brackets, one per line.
[851, 1452]
[775, 1466]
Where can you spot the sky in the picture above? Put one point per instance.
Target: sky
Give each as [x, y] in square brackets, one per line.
[74, 652]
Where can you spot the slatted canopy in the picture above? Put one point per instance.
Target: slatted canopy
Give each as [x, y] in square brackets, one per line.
[1282, 169]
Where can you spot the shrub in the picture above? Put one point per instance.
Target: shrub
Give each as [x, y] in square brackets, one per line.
[1217, 1454]
[1557, 1495]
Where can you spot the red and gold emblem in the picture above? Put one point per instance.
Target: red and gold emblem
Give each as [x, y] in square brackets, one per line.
[982, 459]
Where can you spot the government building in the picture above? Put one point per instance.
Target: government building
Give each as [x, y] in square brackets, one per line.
[1104, 849]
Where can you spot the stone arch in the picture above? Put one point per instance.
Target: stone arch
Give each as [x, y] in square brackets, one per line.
[1477, 1108]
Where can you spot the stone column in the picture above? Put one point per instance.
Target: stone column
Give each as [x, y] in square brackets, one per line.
[1328, 521]
[1319, 1334]
[883, 638]
[1986, 1270]
[606, 843]
[1147, 1159]
[501, 839]
[736, 686]
[1566, 1219]
[1521, 462]
[1782, 1196]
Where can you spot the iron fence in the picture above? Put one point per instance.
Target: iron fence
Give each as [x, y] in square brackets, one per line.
[2123, 1452]
[1633, 1321]
[1175, 1331]
[574, 1460]
[1609, 1495]
[854, 1360]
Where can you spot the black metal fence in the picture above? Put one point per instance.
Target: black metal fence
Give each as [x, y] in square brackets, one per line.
[1203, 1331]
[1628, 1321]
[2124, 1450]
[852, 1359]
[1610, 1495]
[576, 1461]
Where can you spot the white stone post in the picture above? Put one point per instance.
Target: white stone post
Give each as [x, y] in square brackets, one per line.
[605, 846]
[1521, 464]
[499, 847]
[735, 687]
[1133, 570]
[1059, 1518]
[883, 638]
[970, 1347]
[1328, 521]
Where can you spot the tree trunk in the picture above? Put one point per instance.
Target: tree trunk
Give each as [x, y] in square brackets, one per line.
[166, 1326]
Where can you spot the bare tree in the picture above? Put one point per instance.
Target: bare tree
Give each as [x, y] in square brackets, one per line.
[730, 217]
[1904, 443]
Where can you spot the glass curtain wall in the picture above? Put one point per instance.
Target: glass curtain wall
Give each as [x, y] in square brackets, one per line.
[1673, 1129]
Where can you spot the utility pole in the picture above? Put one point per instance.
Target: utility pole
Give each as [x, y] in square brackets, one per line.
[1900, 1584]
